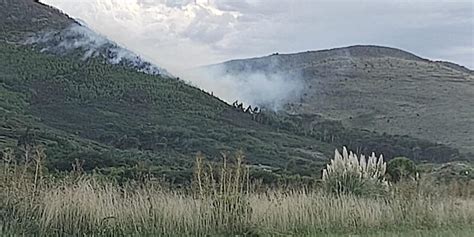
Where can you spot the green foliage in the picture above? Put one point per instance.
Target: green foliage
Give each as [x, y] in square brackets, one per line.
[21, 17]
[112, 116]
[401, 168]
[460, 171]
[365, 141]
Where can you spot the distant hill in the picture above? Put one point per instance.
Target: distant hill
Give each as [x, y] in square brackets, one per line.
[380, 89]
[49, 30]
[121, 119]
[113, 115]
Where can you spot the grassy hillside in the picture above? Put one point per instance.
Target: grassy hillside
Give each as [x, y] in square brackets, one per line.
[109, 115]
[112, 116]
[89, 108]
[379, 89]
[23, 17]
[95, 146]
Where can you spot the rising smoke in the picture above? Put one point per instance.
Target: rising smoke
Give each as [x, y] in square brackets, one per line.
[265, 89]
[78, 38]
[268, 90]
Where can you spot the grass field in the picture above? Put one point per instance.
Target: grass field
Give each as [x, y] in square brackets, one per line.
[92, 209]
[461, 232]
[224, 203]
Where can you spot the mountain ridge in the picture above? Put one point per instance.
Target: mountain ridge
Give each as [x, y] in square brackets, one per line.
[22, 17]
[378, 51]
[119, 120]
[112, 116]
[376, 88]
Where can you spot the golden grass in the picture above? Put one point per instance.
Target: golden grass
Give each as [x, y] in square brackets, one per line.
[88, 207]
[221, 204]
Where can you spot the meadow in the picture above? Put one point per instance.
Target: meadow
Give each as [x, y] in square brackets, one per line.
[90, 147]
[223, 201]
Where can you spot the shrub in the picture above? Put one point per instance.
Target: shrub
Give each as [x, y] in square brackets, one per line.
[459, 171]
[401, 168]
[349, 175]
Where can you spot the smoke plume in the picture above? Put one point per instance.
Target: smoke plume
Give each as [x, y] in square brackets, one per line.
[268, 90]
[79, 38]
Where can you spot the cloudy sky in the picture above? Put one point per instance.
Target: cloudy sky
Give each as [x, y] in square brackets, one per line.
[180, 34]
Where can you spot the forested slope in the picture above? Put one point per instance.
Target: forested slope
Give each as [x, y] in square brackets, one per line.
[116, 119]
[93, 107]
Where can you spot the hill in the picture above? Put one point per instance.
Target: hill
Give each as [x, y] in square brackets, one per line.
[24, 17]
[112, 115]
[380, 89]
[118, 118]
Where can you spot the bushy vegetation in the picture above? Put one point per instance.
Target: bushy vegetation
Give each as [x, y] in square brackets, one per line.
[116, 119]
[364, 141]
[460, 171]
[222, 200]
[401, 168]
[91, 148]
[111, 116]
[347, 174]
[22, 17]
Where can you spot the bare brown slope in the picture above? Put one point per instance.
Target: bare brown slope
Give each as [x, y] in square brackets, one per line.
[381, 89]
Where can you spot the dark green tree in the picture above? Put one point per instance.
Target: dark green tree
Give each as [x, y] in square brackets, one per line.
[400, 168]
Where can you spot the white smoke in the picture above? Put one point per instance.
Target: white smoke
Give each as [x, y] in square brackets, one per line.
[268, 90]
[78, 38]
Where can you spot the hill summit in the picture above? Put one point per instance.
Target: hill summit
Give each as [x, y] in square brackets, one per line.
[82, 105]
[20, 18]
[115, 118]
[377, 88]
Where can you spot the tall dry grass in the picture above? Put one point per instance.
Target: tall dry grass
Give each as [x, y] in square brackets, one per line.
[222, 203]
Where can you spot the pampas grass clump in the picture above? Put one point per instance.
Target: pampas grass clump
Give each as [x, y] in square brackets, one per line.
[348, 174]
[223, 201]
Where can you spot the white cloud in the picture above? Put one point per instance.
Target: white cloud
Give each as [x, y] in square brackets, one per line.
[181, 34]
[174, 34]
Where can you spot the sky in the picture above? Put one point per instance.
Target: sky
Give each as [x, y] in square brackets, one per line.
[183, 34]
